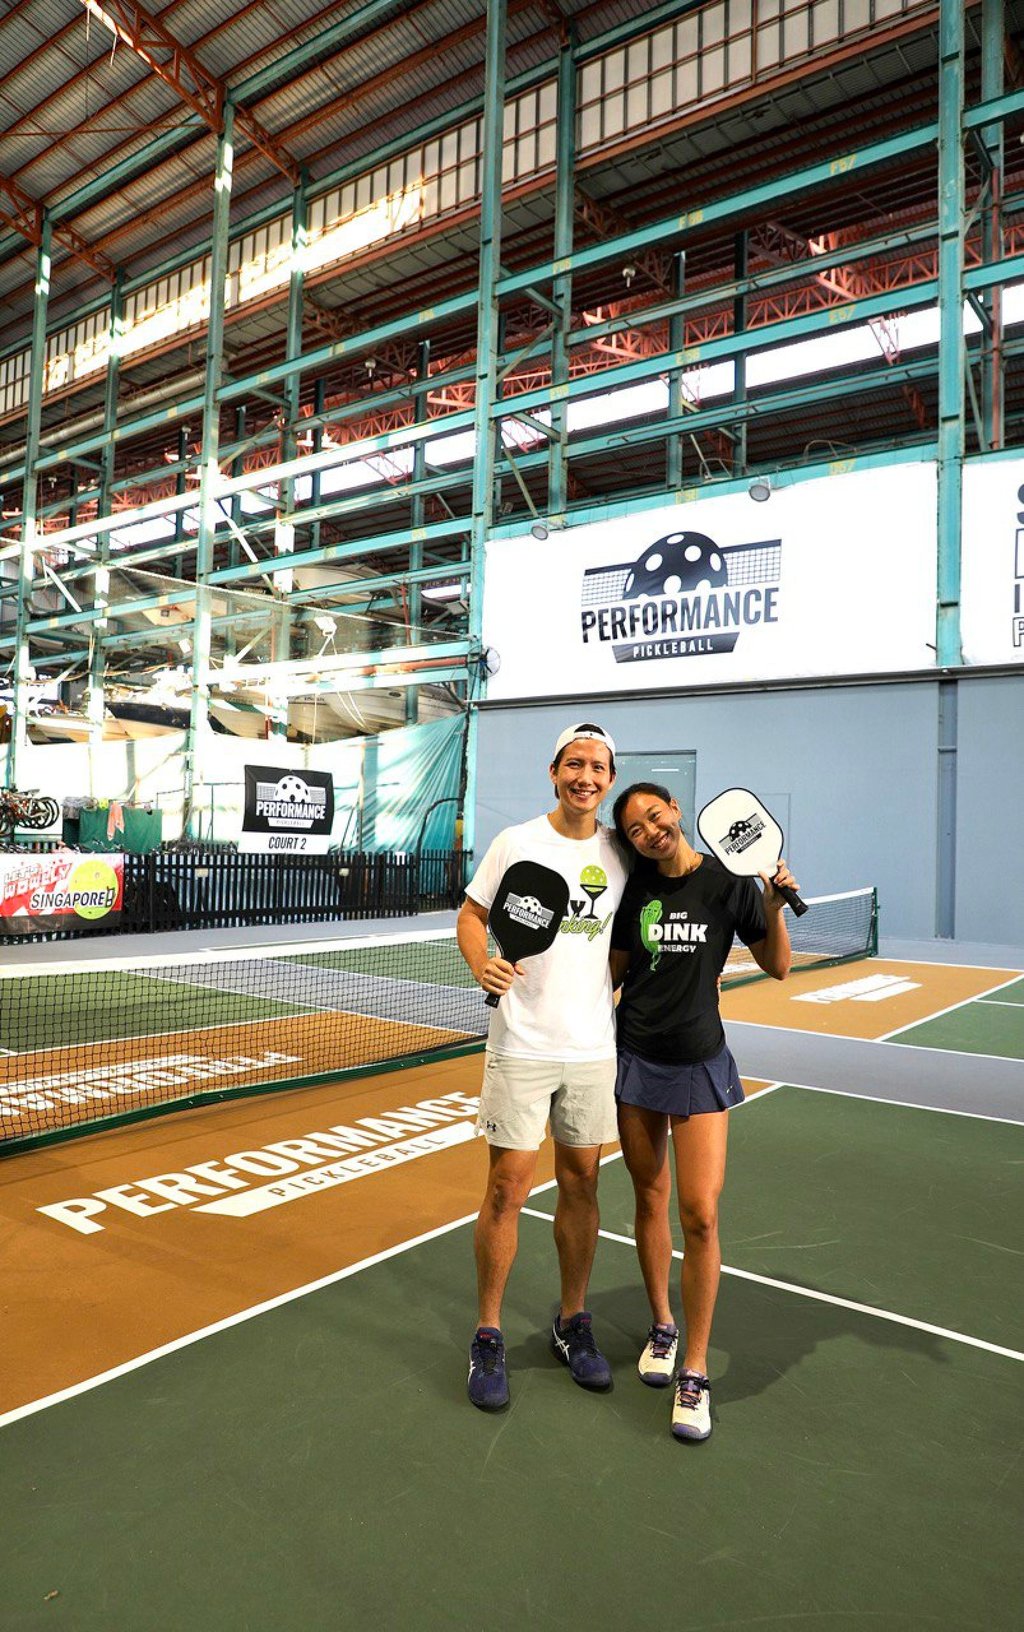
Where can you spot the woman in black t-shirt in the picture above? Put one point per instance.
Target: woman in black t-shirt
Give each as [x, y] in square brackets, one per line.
[670, 940]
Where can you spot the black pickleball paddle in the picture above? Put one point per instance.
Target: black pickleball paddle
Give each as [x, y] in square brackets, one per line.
[526, 913]
[746, 838]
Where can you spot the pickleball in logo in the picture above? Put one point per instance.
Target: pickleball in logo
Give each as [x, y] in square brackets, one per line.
[92, 889]
[742, 834]
[683, 596]
[291, 802]
[582, 918]
[593, 883]
[527, 910]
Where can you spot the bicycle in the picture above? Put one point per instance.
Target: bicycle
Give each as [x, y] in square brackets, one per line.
[30, 810]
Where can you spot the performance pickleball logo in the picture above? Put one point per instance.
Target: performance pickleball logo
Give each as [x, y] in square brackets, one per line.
[683, 596]
[290, 802]
[742, 834]
[527, 910]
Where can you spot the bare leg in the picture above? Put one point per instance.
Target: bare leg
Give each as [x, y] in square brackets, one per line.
[497, 1228]
[700, 1144]
[644, 1138]
[576, 1221]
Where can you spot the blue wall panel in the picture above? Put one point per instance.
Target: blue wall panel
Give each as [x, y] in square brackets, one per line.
[990, 811]
[852, 770]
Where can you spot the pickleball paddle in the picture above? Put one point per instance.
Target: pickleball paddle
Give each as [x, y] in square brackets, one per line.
[746, 838]
[526, 913]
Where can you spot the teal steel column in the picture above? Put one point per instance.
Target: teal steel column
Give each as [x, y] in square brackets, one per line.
[676, 342]
[565, 167]
[101, 582]
[992, 43]
[414, 591]
[485, 432]
[198, 748]
[741, 263]
[280, 639]
[952, 351]
[30, 503]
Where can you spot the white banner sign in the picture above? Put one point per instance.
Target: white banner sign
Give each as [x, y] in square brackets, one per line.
[992, 572]
[828, 577]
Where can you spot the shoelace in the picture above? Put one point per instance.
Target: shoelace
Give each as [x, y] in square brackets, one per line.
[489, 1354]
[661, 1342]
[689, 1390]
[581, 1334]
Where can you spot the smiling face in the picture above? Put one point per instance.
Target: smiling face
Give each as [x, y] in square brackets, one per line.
[582, 776]
[651, 824]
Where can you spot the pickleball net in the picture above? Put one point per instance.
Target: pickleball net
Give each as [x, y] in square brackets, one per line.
[87, 1043]
[84, 1042]
[835, 929]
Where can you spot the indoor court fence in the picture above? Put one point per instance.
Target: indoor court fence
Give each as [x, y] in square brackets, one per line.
[176, 888]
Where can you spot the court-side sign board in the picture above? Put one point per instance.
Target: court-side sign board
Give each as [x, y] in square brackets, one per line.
[992, 572]
[288, 812]
[60, 889]
[829, 577]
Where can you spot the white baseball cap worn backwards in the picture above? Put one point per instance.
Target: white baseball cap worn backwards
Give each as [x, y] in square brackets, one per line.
[586, 731]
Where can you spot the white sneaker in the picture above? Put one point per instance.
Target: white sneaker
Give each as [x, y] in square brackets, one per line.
[658, 1360]
[691, 1408]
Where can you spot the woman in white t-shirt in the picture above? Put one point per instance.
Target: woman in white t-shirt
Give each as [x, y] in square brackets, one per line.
[550, 1055]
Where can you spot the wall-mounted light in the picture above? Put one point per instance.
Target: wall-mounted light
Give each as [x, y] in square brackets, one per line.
[539, 530]
[760, 489]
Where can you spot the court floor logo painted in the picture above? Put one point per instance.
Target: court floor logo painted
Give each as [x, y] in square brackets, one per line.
[683, 596]
[870, 989]
[285, 1170]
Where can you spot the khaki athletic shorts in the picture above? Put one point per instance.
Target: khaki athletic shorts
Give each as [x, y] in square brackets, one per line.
[520, 1096]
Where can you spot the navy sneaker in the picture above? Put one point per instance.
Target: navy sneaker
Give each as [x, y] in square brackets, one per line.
[574, 1344]
[487, 1386]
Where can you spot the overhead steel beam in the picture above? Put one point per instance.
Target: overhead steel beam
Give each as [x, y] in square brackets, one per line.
[24, 215]
[179, 67]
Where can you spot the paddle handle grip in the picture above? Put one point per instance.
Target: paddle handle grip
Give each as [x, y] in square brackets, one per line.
[492, 999]
[792, 900]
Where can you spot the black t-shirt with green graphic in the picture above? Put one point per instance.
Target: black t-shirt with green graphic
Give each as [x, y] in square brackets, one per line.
[678, 932]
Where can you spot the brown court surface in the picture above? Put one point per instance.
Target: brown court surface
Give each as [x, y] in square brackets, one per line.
[75, 1305]
[870, 1010]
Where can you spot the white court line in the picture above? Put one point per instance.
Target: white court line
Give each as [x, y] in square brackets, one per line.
[824, 1297]
[225, 1325]
[902, 1104]
[877, 1099]
[872, 1042]
[963, 1004]
[929, 963]
[999, 1003]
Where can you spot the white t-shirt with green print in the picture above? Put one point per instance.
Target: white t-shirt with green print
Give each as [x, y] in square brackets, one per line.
[560, 1008]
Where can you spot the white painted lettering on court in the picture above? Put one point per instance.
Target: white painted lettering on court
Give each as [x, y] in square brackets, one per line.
[871, 989]
[302, 1166]
[335, 1173]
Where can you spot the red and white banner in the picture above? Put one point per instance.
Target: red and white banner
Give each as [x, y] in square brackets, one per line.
[60, 889]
